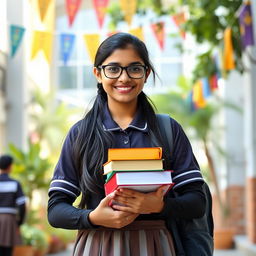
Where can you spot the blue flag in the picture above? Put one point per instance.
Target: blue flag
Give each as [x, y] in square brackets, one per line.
[206, 87]
[16, 35]
[66, 43]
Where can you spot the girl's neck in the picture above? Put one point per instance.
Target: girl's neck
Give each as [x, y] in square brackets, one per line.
[123, 114]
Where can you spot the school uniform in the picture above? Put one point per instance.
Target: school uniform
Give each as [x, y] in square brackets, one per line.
[12, 210]
[148, 234]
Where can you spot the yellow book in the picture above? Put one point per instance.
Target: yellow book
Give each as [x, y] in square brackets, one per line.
[134, 153]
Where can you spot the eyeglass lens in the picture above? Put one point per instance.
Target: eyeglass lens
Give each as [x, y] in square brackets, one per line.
[133, 71]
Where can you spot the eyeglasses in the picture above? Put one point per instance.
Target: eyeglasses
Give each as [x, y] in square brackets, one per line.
[133, 71]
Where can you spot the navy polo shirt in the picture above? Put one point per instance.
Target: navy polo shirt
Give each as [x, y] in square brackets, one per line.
[184, 164]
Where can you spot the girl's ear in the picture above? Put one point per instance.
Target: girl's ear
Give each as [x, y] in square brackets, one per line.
[97, 74]
[147, 74]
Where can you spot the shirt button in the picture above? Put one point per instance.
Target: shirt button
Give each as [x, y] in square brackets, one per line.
[126, 141]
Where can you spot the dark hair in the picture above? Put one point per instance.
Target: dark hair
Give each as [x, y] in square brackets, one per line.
[5, 161]
[92, 142]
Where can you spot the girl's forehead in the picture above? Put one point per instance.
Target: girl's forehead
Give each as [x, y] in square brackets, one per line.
[128, 54]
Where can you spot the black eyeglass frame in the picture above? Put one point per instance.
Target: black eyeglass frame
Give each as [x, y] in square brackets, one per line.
[123, 68]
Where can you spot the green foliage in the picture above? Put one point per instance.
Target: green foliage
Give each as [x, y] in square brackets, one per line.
[29, 168]
[34, 236]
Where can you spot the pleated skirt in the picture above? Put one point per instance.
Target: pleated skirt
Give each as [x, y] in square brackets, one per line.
[140, 238]
[9, 235]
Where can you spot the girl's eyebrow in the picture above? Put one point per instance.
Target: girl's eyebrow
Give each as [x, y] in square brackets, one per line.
[118, 64]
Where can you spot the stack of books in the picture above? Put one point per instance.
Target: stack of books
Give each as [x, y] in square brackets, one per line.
[139, 169]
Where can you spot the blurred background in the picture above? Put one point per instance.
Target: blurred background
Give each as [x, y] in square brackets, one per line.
[205, 56]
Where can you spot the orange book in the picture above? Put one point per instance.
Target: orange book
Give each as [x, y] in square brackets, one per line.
[134, 153]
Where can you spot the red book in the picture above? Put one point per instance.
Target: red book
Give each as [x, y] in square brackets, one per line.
[140, 181]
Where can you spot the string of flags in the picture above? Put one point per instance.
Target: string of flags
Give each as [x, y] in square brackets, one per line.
[204, 87]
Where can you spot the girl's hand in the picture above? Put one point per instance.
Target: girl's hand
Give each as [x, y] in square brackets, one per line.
[104, 215]
[140, 203]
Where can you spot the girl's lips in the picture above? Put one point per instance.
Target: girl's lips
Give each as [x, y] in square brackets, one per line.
[124, 89]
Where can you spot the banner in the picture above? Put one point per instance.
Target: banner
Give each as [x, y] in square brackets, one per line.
[179, 20]
[137, 32]
[92, 42]
[206, 87]
[229, 62]
[100, 7]
[128, 8]
[42, 40]
[72, 7]
[198, 97]
[43, 7]
[246, 25]
[16, 35]
[66, 46]
[159, 32]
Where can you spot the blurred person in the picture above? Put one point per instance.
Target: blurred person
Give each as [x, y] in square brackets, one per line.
[122, 116]
[12, 207]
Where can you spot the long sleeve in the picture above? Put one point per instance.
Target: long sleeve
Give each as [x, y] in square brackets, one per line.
[61, 213]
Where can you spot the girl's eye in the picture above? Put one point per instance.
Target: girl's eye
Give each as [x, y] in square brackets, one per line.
[113, 69]
[136, 69]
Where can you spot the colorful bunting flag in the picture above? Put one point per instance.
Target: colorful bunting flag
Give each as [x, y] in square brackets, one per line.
[66, 43]
[128, 8]
[246, 25]
[43, 7]
[159, 32]
[179, 19]
[229, 62]
[214, 82]
[92, 42]
[42, 40]
[100, 7]
[16, 35]
[72, 7]
[206, 87]
[192, 105]
[137, 32]
[198, 97]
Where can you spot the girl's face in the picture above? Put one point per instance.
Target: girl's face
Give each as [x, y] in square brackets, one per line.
[123, 89]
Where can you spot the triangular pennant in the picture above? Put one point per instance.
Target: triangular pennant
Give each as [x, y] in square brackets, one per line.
[206, 87]
[72, 7]
[229, 62]
[16, 35]
[42, 40]
[179, 19]
[128, 8]
[214, 82]
[246, 25]
[92, 42]
[138, 32]
[159, 32]
[43, 7]
[100, 7]
[66, 43]
[198, 97]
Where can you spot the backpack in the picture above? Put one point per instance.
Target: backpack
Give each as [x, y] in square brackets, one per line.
[191, 237]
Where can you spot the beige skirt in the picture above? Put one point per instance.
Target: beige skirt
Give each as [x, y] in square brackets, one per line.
[9, 235]
[140, 238]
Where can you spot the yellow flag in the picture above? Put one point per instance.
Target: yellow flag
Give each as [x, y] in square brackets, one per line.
[128, 8]
[137, 32]
[42, 40]
[229, 62]
[43, 7]
[92, 42]
[198, 97]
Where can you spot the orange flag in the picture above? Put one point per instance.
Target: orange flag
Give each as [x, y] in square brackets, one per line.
[159, 32]
[72, 7]
[179, 20]
[43, 7]
[198, 96]
[42, 40]
[100, 7]
[92, 42]
[229, 62]
[128, 8]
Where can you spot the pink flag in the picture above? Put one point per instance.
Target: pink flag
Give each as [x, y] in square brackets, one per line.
[159, 31]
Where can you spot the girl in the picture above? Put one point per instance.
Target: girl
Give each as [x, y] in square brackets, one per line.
[121, 117]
